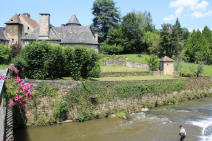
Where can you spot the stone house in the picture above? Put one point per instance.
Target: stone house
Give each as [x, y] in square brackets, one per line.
[19, 26]
[22, 30]
[167, 65]
[3, 38]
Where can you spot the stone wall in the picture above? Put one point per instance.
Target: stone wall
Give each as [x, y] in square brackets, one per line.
[46, 105]
[125, 64]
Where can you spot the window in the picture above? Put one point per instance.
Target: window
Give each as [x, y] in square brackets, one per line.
[28, 28]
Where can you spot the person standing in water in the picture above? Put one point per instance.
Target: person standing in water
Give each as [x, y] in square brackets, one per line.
[182, 133]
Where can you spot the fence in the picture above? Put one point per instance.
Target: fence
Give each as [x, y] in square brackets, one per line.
[3, 110]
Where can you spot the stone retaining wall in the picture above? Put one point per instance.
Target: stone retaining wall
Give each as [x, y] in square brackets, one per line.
[125, 64]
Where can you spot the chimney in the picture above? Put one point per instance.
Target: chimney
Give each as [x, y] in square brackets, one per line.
[44, 25]
[27, 15]
[96, 36]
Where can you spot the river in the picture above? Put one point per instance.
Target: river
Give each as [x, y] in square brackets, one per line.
[160, 124]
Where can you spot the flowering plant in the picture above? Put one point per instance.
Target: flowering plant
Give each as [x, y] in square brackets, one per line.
[17, 91]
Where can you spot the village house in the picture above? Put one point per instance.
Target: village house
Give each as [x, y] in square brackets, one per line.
[3, 38]
[21, 30]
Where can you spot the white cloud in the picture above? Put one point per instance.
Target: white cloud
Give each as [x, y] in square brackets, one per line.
[169, 18]
[199, 14]
[179, 11]
[198, 8]
[202, 5]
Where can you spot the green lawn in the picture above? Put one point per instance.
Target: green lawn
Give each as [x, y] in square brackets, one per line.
[3, 67]
[148, 77]
[139, 58]
[187, 67]
[121, 69]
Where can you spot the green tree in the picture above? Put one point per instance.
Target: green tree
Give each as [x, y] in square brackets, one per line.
[178, 29]
[116, 37]
[207, 34]
[153, 62]
[176, 47]
[132, 33]
[145, 21]
[4, 54]
[165, 41]
[106, 17]
[152, 41]
[197, 48]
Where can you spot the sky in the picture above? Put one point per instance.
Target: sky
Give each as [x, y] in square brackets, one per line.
[193, 14]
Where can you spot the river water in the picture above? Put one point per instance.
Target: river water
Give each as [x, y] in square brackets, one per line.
[160, 124]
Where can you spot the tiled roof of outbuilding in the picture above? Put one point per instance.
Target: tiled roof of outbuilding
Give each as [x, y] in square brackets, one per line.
[166, 59]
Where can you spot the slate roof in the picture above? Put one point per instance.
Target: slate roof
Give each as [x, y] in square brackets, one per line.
[29, 20]
[14, 20]
[166, 59]
[2, 34]
[73, 21]
[72, 33]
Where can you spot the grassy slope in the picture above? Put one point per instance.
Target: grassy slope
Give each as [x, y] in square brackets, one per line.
[187, 67]
[148, 77]
[2, 67]
[121, 69]
[140, 58]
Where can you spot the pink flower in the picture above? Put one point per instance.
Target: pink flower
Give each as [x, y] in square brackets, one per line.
[11, 87]
[23, 102]
[12, 103]
[16, 91]
[29, 95]
[22, 91]
[17, 98]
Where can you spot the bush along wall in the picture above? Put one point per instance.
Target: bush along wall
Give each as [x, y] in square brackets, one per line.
[42, 60]
[93, 100]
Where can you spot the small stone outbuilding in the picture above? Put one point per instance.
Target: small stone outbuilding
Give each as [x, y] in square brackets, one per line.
[167, 66]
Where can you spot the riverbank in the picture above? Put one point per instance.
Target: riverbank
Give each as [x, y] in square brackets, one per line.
[160, 123]
[93, 100]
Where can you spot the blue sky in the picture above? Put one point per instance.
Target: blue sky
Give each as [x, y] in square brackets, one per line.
[193, 14]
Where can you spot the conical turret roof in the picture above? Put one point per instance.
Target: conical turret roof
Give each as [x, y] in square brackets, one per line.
[14, 20]
[73, 21]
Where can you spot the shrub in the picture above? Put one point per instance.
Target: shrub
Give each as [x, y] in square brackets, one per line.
[111, 49]
[153, 63]
[61, 110]
[46, 90]
[4, 54]
[42, 60]
[199, 70]
[15, 50]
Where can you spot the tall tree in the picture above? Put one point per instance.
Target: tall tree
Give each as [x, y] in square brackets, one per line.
[207, 34]
[165, 41]
[106, 17]
[178, 29]
[152, 41]
[145, 21]
[197, 48]
[116, 37]
[132, 33]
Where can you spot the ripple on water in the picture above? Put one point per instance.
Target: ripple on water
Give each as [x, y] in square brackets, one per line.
[206, 128]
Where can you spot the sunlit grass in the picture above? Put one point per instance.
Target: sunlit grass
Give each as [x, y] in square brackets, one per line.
[121, 69]
[128, 78]
[3, 67]
[188, 67]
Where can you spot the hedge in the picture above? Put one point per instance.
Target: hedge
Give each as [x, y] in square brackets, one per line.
[42, 60]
